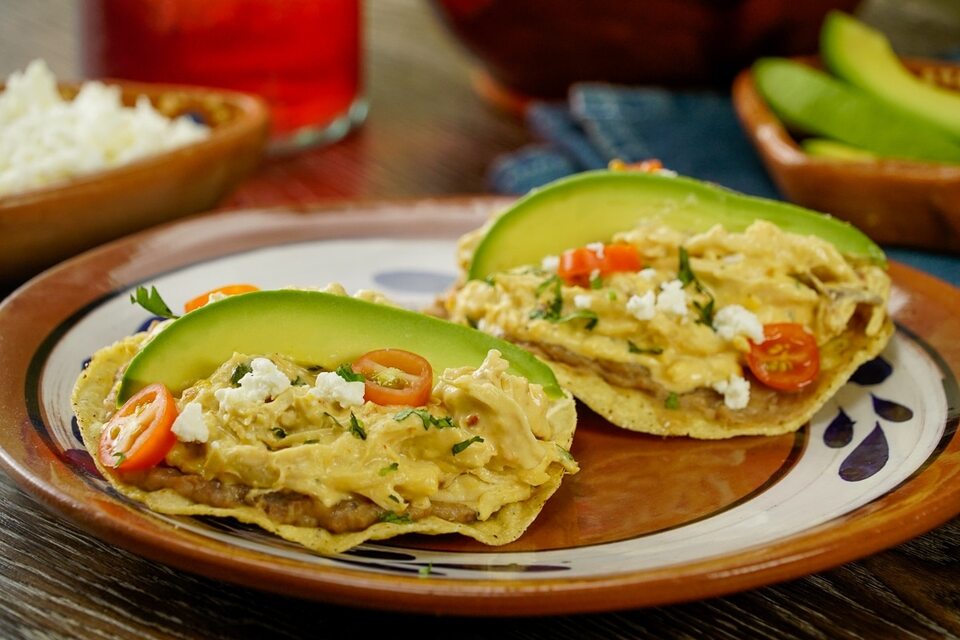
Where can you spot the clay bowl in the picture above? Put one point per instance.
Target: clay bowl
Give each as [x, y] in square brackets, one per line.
[41, 227]
[896, 202]
[536, 48]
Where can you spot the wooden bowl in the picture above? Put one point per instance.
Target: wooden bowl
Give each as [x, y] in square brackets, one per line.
[41, 227]
[896, 202]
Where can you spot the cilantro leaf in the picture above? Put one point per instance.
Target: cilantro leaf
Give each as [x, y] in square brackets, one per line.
[633, 348]
[390, 468]
[152, 302]
[346, 372]
[356, 427]
[241, 370]
[672, 401]
[395, 518]
[590, 316]
[428, 419]
[460, 446]
[705, 311]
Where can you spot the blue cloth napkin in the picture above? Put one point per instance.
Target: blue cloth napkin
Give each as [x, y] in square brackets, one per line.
[695, 133]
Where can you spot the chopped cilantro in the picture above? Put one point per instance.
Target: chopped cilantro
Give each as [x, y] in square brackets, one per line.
[551, 310]
[705, 311]
[356, 427]
[490, 281]
[241, 370]
[152, 302]
[686, 276]
[596, 282]
[589, 316]
[633, 348]
[390, 468]
[612, 296]
[425, 569]
[395, 518]
[299, 382]
[460, 446]
[672, 401]
[566, 454]
[279, 433]
[428, 419]
[120, 456]
[346, 372]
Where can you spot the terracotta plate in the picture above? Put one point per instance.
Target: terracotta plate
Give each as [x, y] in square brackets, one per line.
[647, 521]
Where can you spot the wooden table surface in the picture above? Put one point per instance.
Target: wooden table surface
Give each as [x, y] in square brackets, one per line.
[427, 134]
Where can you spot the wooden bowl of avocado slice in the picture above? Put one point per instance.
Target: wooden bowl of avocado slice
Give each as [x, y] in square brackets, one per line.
[862, 134]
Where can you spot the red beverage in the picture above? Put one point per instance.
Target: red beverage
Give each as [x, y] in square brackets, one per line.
[302, 56]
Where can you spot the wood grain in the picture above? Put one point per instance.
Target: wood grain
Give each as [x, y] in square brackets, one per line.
[427, 134]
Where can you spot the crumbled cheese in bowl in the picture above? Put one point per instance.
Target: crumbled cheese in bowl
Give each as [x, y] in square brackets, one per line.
[45, 139]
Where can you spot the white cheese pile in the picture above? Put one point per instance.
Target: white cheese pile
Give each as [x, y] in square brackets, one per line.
[45, 139]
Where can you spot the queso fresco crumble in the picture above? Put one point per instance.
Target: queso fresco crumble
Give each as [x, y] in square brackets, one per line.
[45, 139]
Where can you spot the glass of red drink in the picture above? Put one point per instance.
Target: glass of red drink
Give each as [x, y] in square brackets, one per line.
[302, 56]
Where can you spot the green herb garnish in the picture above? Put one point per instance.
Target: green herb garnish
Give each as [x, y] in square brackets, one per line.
[425, 570]
[551, 310]
[460, 446]
[356, 427]
[346, 372]
[596, 282]
[589, 316]
[120, 456]
[390, 468]
[633, 348]
[279, 433]
[241, 370]
[428, 419]
[705, 311]
[152, 302]
[672, 401]
[395, 518]
[687, 276]
[299, 382]
[394, 498]
[566, 454]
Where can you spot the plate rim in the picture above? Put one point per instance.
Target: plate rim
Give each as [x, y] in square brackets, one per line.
[809, 551]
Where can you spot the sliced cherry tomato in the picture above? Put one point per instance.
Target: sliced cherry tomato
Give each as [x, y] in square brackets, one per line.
[620, 257]
[395, 376]
[578, 266]
[226, 290]
[788, 358]
[138, 435]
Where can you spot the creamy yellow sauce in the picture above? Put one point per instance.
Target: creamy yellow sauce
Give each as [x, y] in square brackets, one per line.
[297, 441]
[775, 275]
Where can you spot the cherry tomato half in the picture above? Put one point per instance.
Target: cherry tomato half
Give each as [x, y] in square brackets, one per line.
[226, 290]
[395, 376]
[578, 266]
[788, 358]
[138, 435]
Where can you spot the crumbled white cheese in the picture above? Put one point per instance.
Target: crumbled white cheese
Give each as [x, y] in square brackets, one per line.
[264, 381]
[642, 307]
[734, 320]
[582, 301]
[736, 392]
[550, 263]
[491, 328]
[648, 273]
[597, 248]
[189, 425]
[331, 387]
[45, 139]
[672, 298]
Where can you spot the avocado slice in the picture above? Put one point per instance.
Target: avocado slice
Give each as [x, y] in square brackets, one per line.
[594, 205]
[863, 57]
[313, 328]
[810, 101]
[825, 148]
